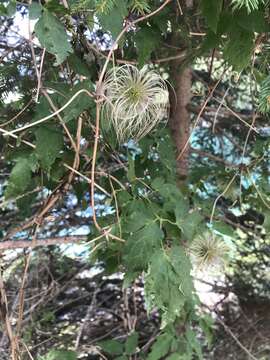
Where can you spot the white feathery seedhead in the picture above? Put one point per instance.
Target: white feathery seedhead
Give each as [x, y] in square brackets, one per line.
[209, 251]
[136, 100]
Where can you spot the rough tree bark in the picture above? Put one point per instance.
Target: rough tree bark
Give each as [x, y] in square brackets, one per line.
[180, 118]
[179, 122]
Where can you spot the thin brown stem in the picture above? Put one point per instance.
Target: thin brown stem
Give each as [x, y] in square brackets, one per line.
[92, 185]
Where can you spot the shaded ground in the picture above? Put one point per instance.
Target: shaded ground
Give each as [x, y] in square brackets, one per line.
[71, 304]
[250, 323]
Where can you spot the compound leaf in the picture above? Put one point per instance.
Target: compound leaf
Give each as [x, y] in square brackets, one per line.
[49, 143]
[52, 36]
[141, 245]
[19, 179]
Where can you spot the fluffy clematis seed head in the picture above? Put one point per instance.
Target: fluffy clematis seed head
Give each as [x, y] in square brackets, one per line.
[209, 251]
[136, 100]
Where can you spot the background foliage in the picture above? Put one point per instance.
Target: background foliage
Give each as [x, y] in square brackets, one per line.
[142, 215]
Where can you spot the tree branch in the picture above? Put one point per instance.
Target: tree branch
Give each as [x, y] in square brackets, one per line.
[215, 158]
[180, 118]
[20, 244]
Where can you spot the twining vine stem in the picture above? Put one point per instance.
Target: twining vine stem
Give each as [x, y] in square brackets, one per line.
[99, 98]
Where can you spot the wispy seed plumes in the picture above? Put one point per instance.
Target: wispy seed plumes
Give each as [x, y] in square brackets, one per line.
[209, 250]
[136, 100]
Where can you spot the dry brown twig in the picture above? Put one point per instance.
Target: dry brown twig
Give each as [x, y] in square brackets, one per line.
[4, 314]
[220, 196]
[62, 122]
[21, 244]
[99, 97]
[198, 118]
[18, 114]
[98, 101]
[54, 199]
[38, 219]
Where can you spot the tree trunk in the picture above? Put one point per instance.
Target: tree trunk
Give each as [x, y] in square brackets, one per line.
[180, 118]
[179, 122]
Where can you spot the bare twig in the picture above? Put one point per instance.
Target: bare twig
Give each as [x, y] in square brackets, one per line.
[92, 185]
[209, 97]
[86, 319]
[220, 195]
[40, 121]
[251, 127]
[19, 114]
[215, 158]
[40, 74]
[99, 96]
[4, 314]
[49, 99]
[17, 244]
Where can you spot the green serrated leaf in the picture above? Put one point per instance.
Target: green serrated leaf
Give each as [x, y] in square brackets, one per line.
[81, 102]
[131, 169]
[59, 354]
[223, 228]
[194, 343]
[238, 49]
[206, 324]
[77, 65]
[35, 10]
[163, 287]
[266, 223]
[173, 198]
[131, 343]
[210, 42]
[3, 10]
[166, 152]
[211, 10]
[56, 7]
[52, 36]
[176, 357]
[188, 223]
[112, 347]
[19, 179]
[49, 143]
[113, 20]
[129, 278]
[11, 8]
[255, 21]
[182, 266]
[140, 246]
[146, 40]
[161, 347]
[137, 215]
